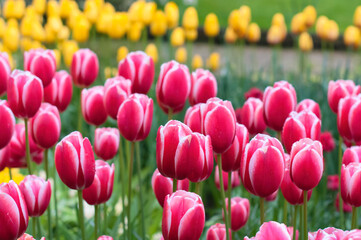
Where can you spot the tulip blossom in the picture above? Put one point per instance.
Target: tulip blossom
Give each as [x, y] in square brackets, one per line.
[5, 70]
[340, 89]
[25, 94]
[350, 183]
[74, 161]
[135, 117]
[253, 93]
[194, 117]
[272, 230]
[185, 222]
[328, 142]
[352, 154]
[332, 182]
[7, 124]
[173, 86]
[235, 180]
[328, 233]
[105, 238]
[4, 157]
[279, 101]
[343, 116]
[272, 197]
[37, 194]
[138, 67]
[60, 90]
[106, 142]
[309, 104]
[251, 116]
[84, 67]
[204, 86]
[353, 120]
[218, 232]
[162, 186]
[345, 206]
[92, 106]
[240, 210]
[101, 189]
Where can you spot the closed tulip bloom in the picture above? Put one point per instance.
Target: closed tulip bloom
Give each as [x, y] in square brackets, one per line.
[213, 61]
[204, 86]
[230, 35]
[60, 91]
[306, 165]
[45, 126]
[172, 14]
[357, 17]
[181, 55]
[252, 116]
[173, 86]
[211, 25]
[74, 161]
[105, 238]
[7, 124]
[235, 180]
[106, 142]
[352, 154]
[254, 93]
[135, 31]
[353, 117]
[139, 68]
[352, 37]
[37, 194]
[273, 230]
[309, 104]
[240, 209]
[298, 23]
[218, 232]
[116, 90]
[321, 23]
[191, 34]
[331, 30]
[14, 214]
[177, 37]
[138, 109]
[84, 67]
[152, 51]
[279, 101]
[122, 53]
[344, 118]
[332, 182]
[194, 117]
[4, 157]
[310, 15]
[26, 236]
[5, 70]
[163, 186]
[328, 142]
[197, 61]
[340, 89]
[92, 105]
[262, 165]
[101, 189]
[253, 33]
[351, 183]
[190, 18]
[305, 42]
[186, 222]
[272, 197]
[158, 26]
[25, 93]
[275, 34]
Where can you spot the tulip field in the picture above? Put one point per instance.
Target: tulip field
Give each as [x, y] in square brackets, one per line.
[180, 120]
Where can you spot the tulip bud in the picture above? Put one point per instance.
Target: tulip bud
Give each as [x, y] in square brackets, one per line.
[278, 19]
[240, 209]
[353, 116]
[275, 35]
[105, 238]
[332, 182]
[119, 25]
[190, 18]
[305, 42]
[101, 189]
[235, 180]
[328, 142]
[106, 142]
[298, 23]
[332, 31]
[350, 182]
[347, 208]
[139, 68]
[139, 108]
[252, 116]
[218, 232]
[321, 26]
[279, 101]
[352, 37]
[7, 124]
[172, 14]
[5, 70]
[344, 117]
[213, 61]
[173, 86]
[194, 118]
[253, 33]
[310, 15]
[191, 34]
[122, 53]
[197, 61]
[274, 230]
[4, 157]
[74, 161]
[211, 25]
[204, 86]
[69, 48]
[230, 35]
[254, 93]
[84, 68]
[25, 93]
[158, 26]
[186, 223]
[177, 37]
[357, 17]
[309, 104]
[340, 89]
[135, 31]
[37, 194]
[181, 55]
[306, 165]
[163, 186]
[92, 105]
[152, 51]
[352, 154]
[13, 211]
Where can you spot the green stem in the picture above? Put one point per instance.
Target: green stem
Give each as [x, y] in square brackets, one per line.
[56, 204]
[285, 211]
[262, 210]
[223, 194]
[96, 221]
[354, 218]
[295, 223]
[197, 188]
[46, 163]
[39, 227]
[10, 174]
[80, 116]
[170, 114]
[105, 217]
[229, 196]
[305, 234]
[301, 222]
[81, 213]
[131, 160]
[27, 156]
[342, 224]
[122, 182]
[137, 151]
[34, 227]
[175, 182]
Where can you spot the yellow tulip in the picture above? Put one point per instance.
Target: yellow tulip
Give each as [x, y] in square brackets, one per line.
[53, 8]
[253, 33]
[177, 37]
[242, 28]
[13, 23]
[100, 3]
[26, 26]
[213, 61]
[298, 23]
[19, 9]
[275, 35]
[122, 53]
[305, 42]
[81, 30]
[40, 6]
[181, 55]
[191, 34]
[352, 37]
[73, 18]
[55, 23]
[57, 57]
[197, 61]
[357, 17]
[2, 27]
[11, 38]
[38, 32]
[310, 14]
[190, 18]
[158, 26]
[234, 18]
[172, 13]
[17, 177]
[25, 43]
[238, 23]
[107, 8]
[135, 11]
[91, 10]
[230, 35]
[148, 12]
[332, 31]
[135, 32]
[119, 25]
[211, 25]
[9, 9]
[36, 45]
[152, 51]
[278, 19]
[50, 35]
[67, 7]
[320, 26]
[103, 22]
[108, 72]
[245, 12]
[63, 33]
[68, 49]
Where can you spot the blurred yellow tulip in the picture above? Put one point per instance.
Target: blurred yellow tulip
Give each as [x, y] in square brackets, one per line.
[197, 61]
[181, 55]
[190, 18]
[152, 51]
[191, 34]
[14, 9]
[213, 61]
[148, 12]
[91, 10]
[55, 23]
[253, 33]
[122, 53]
[230, 36]
[211, 25]
[275, 35]
[172, 13]
[278, 19]
[119, 25]
[57, 57]
[50, 34]
[320, 26]
[234, 18]
[100, 3]
[40, 6]
[63, 33]
[26, 26]
[67, 7]
[332, 32]
[26, 43]
[352, 37]
[238, 23]
[17, 177]
[135, 11]
[103, 22]
[108, 72]
[107, 8]
[11, 38]
[357, 17]
[81, 30]
[298, 23]
[68, 49]
[135, 31]
[53, 8]
[158, 26]
[310, 15]
[19, 9]
[2, 27]
[38, 32]
[177, 37]
[73, 18]
[305, 42]
[245, 12]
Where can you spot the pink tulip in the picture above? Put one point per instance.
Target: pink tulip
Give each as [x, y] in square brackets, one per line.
[354, 120]
[101, 189]
[352, 235]
[272, 197]
[340, 89]
[37, 194]
[74, 161]
[92, 106]
[25, 93]
[273, 230]
[309, 104]
[84, 68]
[4, 157]
[306, 165]
[105, 238]
[7, 124]
[194, 117]
[106, 142]
[328, 142]
[4, 72]
[352, 154]
[238, 113]
[186, 222]
[135, 117]
[26, 236]
[240, 210]
[235, 180]
[343, 116]
[262, 165]
[218, 232]
[204, 86]
[329, 233]
[251, 115]
[116, 90]
[351, 184]
[162, 186]
[139, 68]
[173, 86]
[332, 182]
[345, 206]
[41, 63]
[300, 125]
[279, 101]
[13, 212]
[253, 93]
[60, 91]
[45, 126]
